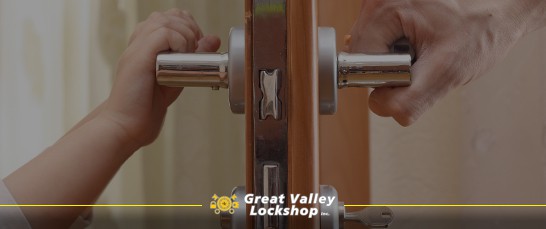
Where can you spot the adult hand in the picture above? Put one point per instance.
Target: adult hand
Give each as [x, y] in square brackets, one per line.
[455, 42]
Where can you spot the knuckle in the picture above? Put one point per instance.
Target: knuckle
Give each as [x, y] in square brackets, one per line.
[155, 15]
[164, 21]
[176, 41]
[160, 18]
[164, 33]
[187, 13]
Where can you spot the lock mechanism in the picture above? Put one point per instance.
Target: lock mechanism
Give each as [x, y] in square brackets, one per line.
[336, 71]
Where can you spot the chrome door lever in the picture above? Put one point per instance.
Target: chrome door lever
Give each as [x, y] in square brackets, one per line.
[215, 70]
[337, 71]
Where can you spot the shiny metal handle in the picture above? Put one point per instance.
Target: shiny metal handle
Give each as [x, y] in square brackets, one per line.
[192, 70]
[369, 70]
[337, 71]
[214, 70]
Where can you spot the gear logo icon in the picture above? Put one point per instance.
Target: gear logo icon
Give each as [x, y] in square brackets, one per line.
[224, 204]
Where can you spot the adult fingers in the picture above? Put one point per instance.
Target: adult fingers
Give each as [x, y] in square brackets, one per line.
[377, 27]
[430, 82]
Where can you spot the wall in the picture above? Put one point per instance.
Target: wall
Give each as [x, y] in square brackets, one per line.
[57, 63]
[484, 143]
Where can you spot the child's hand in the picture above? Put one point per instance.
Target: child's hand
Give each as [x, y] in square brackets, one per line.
[77, 168]
[137, 104]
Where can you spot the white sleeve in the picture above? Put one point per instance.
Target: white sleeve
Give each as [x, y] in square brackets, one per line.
[13, 217]
[10, 217]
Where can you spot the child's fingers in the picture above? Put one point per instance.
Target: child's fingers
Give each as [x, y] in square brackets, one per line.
[174, 19]
[188, 18]
[184, 27]
[143, 51]
[167, 39]
[153, 22]
[181, 29]
[208, 44]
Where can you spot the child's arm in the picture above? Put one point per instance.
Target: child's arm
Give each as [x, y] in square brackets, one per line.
[77, 168]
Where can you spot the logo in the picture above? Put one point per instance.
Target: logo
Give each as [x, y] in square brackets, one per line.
[224, 204]
[263, 205]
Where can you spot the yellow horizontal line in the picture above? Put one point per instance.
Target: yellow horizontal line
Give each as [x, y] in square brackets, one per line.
[200, 205]
[445, 205]
[101, 205]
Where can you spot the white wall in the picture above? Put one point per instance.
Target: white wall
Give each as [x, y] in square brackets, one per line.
[483, 144]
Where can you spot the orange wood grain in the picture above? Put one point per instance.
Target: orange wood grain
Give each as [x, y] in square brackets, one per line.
[344, 137]
[303, 174]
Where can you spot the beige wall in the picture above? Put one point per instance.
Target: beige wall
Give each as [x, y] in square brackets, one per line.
[201, 148]
[484, 143]
[57, 63]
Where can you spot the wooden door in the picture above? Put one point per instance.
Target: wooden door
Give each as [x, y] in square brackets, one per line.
[344, 137]
[303, 115]
[299, 87]
[345, 156]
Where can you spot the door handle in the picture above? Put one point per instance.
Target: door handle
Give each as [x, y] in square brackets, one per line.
[343, 70]
[214, 70]
[336, 71]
